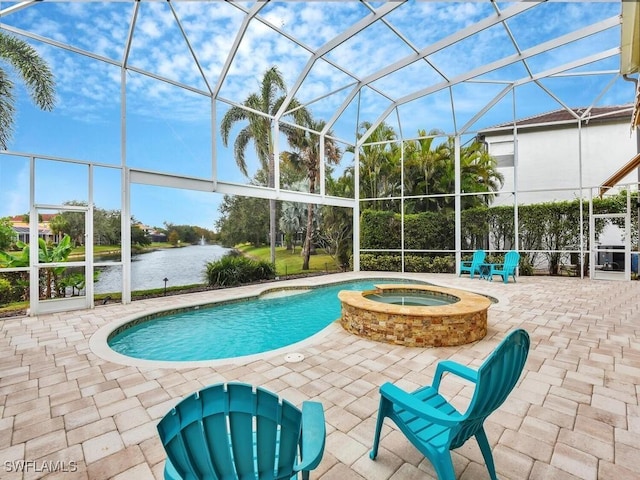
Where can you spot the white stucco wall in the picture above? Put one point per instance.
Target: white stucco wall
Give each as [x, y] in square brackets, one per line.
[549, 159]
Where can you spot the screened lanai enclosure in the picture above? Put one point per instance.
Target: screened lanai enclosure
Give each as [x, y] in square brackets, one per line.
[433, 128]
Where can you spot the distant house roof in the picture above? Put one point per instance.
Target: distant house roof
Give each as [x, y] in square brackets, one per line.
[620, 113]
[25, 230]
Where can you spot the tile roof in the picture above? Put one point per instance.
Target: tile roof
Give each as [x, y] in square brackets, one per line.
[595, 114]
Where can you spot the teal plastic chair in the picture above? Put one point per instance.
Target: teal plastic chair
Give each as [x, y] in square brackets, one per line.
[473, 266]
[434, 426]
[231, 431]
[506, 269]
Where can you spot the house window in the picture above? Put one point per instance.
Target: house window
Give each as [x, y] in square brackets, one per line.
[503, 153]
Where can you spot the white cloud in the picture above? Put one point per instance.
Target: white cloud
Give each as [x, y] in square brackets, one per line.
[86, 86]
[149, 28]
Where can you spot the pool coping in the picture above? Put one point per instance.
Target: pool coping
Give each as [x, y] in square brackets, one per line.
[468, 303]
[98, 342]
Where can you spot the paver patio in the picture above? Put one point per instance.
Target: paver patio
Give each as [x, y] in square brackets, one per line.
[574, 415]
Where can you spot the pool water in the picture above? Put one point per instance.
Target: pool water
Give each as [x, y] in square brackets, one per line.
[412, 300]
[239, 328]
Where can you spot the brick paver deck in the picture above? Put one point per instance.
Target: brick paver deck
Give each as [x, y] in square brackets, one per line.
[574, 415]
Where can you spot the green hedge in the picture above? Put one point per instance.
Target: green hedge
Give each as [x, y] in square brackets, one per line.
[412, 263]
[382, 230]
[551, 226]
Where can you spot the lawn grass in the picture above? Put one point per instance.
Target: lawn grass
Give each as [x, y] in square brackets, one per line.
[103, 250]
[290, 263]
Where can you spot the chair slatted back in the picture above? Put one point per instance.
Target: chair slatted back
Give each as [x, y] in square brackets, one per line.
[222, 433]
[477, 259]
[497, 376]
[511, 260]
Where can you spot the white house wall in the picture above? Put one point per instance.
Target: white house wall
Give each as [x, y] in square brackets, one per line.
[606, 149]
[549, 160]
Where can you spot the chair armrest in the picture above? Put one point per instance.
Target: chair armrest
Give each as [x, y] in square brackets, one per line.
[313, 436]
[457, 369]
[407, 401]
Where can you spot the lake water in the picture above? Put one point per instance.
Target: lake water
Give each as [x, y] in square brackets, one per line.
[181, 266]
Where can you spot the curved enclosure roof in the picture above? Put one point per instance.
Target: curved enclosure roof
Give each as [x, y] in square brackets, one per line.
[458, 67]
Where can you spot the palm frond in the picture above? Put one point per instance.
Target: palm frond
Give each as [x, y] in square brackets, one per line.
[33, 69]
[239, 147]
[272, 82]
[7, 109]
[233, 115]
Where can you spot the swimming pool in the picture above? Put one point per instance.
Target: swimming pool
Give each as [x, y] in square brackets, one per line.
[246, 327]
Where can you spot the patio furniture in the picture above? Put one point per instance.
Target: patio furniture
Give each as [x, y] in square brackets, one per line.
[434, 426]
[473, 266]
[506, 269]
[228, 431]
[485, 270]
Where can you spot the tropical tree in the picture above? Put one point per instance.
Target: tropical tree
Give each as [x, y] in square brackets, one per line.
[7, 234]
[70, 223]
[51, 283]
[430, 170]
[173, 238]
[336, 234]
[243, 219]
[107, 226]
[34, 72]
[258, 111]
[424, 161]
[379, 165]
[478, 175]
[139, 236]
[306, 156]
[52, 253]
[59, 224]
[291, 220]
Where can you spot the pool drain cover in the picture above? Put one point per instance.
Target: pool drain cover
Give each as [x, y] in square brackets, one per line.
[293, 357]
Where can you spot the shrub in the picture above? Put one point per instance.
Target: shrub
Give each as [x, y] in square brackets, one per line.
[526, 268]
[382, 263]
[443, 264]
[412, 263]
[233, 270]
[5, 291]
[416, 263]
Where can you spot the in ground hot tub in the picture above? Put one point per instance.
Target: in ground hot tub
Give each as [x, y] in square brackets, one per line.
[415, 315]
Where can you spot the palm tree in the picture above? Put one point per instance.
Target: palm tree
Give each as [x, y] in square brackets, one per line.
[259, 129]
[478, 174]
[423, 161]
[34, 72]
[307, 156]
[379, 164]
[290, 222]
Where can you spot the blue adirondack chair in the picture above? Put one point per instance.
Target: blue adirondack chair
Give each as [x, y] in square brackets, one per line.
[506, 269]
[434, 426]
[229, 431]
[473, 266]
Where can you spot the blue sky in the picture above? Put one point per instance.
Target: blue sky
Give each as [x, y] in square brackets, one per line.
[169, 129]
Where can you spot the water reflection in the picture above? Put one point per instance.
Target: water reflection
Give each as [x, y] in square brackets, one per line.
[181, 266]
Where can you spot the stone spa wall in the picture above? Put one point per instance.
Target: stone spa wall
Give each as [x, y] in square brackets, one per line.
[464, 321]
